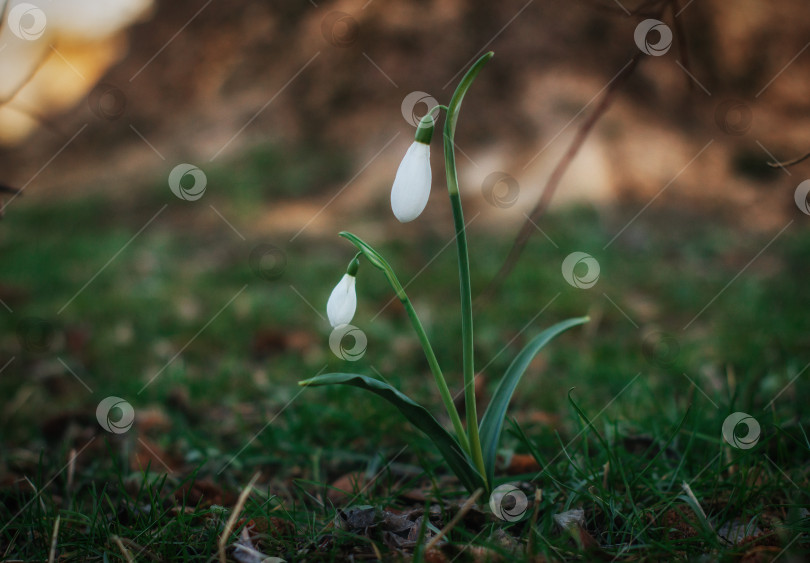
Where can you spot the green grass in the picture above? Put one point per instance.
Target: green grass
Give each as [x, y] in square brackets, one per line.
[228, 389]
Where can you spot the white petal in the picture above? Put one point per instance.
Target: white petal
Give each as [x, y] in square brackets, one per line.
[342, 302]
[411, 189]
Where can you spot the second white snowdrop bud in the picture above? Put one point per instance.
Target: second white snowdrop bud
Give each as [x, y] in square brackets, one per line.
[411, 189]
[342, 302]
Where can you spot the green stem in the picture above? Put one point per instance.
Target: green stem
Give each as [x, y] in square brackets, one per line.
[376, 260]
[441, 383]
[464, 261]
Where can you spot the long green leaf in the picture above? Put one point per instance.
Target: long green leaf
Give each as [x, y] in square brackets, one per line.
[417, 415]
[492, 421]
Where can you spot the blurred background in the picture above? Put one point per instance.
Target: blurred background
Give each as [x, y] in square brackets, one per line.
[201, 304]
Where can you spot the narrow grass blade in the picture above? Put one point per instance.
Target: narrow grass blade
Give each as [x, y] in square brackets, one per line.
[492, 421]
[590, 425]
[459, 462]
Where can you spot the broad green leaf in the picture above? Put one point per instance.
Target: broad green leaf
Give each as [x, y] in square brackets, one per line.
[492, 421]
[417, 415]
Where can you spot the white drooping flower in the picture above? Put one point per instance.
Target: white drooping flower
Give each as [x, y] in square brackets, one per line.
[342, 302]
[411, 189]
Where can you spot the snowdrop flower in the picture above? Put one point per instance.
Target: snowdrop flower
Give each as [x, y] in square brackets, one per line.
[411, 189]
[342, 302]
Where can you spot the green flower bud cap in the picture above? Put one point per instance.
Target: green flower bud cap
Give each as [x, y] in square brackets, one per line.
[353, 266]
[424, 132]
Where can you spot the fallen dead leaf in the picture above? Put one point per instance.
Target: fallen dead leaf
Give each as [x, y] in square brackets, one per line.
[760, 554]
[569, 518]
[269, 342]
[679, 527]
[522, 463]
[244, 551]
[149, 454]
[152, 418]
[736, 532]
[346, 487]
[204, 493]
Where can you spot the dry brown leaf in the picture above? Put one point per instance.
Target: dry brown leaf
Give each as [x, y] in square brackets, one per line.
[204, 493]
[149, 454]
[760, 554]
[679, 526]
[737, 532]
[244, 551]
[522, 463]
[566, 520]
[152, 418]
[346, 487]
[543, 417]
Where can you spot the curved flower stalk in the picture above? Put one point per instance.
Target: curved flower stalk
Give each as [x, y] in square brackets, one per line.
[469, 454]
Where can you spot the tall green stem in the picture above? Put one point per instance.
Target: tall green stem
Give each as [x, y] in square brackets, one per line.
[444, 391]
[464, 261]
[376, 260]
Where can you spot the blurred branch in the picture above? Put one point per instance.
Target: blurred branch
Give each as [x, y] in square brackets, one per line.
[777, 164]
[540, 207]
[656, 9]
